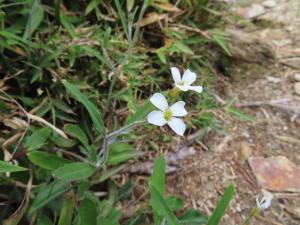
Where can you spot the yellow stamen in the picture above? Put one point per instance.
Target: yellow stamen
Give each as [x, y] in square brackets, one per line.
[168, 115]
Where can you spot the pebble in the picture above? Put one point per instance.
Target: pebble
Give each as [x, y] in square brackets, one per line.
[274, 80]
[297, 88]
[297, 77]
[269, 3]
[255, 11]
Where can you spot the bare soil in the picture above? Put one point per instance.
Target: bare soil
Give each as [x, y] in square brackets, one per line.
[221, 157]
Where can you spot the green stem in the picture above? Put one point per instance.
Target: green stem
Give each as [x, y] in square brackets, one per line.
[117, 71]
[253, 213]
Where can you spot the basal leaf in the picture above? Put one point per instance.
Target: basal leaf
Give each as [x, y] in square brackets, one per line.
[87, 212]
[6, 167]
[66, 213]
[45, 160]
[38, 138]
[74, 171]
[47, 193]
[78, 133]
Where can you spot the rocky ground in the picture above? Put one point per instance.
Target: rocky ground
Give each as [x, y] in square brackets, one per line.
[264, 77]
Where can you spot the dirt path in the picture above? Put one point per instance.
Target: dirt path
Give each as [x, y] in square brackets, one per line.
[222, 156]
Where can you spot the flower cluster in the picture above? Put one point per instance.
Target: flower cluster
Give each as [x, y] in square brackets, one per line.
[169, 114]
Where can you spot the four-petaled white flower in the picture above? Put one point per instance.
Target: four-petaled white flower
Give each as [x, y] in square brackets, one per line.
[167, 115]
[185, 82]
[265, 201]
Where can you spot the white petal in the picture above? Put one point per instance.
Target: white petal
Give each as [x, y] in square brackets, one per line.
[178, 109]
[189, 77]
[198, 89]
[176, 75]
[159, 101]
[156, 118]
[183, 87]
[177, 125]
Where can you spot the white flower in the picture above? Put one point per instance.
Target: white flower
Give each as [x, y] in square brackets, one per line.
[185, 82]
[265, 201]
[167, 115]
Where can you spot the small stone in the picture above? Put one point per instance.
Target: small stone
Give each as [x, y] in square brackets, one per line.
[255, 11]
[276, 173]
[297, 88]
[209, 186]
[274, 80]
[297, 77]
[245, 151]
[269, 3]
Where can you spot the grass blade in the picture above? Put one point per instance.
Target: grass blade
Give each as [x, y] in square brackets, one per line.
[222, 205]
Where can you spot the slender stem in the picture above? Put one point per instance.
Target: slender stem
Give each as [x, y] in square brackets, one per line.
[253, 213]
[111, 138]
[132, 42]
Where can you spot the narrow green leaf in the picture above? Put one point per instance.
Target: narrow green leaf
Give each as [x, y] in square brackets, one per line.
[74, 171]
[240, 114]
[36, 16]
[222, 205]
[66, 213]
[222, 43]
[45, 160]
[162, 207]
[38, 138]
[95, 53]
[161, 53]
[130, 4]
[106, 37]
[87, 213]
[157, 178]
[67, 25]
[107, 174]
[78, 133]
[47, 193]
[122, 17]
[179, 46]
[90, 107]
[91, 6]
[6, 167]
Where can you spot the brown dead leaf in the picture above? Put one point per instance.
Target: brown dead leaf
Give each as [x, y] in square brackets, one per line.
[152, 18]
[244, 152]
[276, 173]
[166, 6]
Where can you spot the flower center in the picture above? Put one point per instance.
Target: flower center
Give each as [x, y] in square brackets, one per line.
[181, 83]
[168, 115]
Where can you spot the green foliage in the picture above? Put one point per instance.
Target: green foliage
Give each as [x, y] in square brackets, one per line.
[6, 167]
[66, 213]
[74, 171]
[84, 69]
[120, 152]
[222, 205]
[38, 138]
[90, 107]
[45, 160]
[47, 193]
